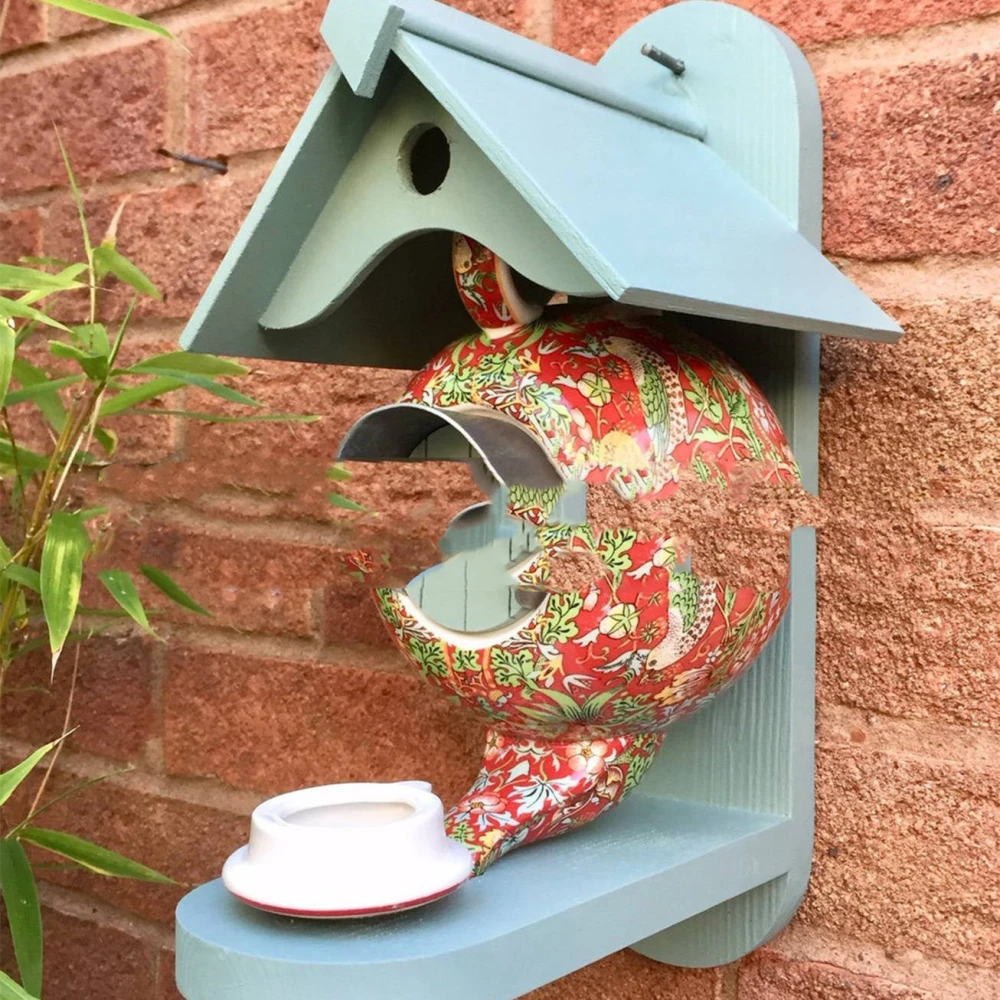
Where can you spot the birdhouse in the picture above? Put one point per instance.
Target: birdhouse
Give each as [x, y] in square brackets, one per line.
[571, 257]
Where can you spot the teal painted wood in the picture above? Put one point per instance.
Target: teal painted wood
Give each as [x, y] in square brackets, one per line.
[550, 909]
[712, 859]
[755, 747]
[640, 211]
[362, 35]
[678, 230]
[348, 237]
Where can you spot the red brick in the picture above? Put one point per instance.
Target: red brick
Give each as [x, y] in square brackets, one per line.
[911, 426]
[586, 30]
[84, 960]
[112, 707]
[20, 234]
[109, 109]
[167, 984]
[271, 725]
[339, 395]
[63, 23]
[905, 619]
[907, 622]
[252, 76]
[187, 842]
[911, 155]
[253, 585]
[768, 977]
[177, 235]
[350, 615]
[628, 976]
[905, 854]
[25, 25]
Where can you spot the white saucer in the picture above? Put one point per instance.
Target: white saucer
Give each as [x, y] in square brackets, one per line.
[350, 850]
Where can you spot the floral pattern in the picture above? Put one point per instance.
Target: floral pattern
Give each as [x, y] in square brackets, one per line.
[579, 692]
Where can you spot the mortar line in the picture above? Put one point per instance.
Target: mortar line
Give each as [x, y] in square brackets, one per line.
[141, 182]
[920, 44]
[73, 903]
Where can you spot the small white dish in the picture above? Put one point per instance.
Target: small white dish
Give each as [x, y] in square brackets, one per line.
[349, 850]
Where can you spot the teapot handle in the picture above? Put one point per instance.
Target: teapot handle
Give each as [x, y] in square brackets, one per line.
[486, 287]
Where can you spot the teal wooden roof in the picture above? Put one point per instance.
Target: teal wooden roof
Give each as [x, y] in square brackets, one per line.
[611, 175]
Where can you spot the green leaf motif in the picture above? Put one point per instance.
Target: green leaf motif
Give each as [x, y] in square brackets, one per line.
[63, 552]
[91, 856]
[711, 434]
[167, 585]
[558, 624]
[513, 669]
[120, 586]
[24, 915]
[9, 780]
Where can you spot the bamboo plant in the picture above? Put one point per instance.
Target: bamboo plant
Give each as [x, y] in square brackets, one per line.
[70, 379]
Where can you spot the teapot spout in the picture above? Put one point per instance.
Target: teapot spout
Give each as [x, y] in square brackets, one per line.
[531, 788]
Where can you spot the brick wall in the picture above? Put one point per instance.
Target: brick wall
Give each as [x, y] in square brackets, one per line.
[293, 683]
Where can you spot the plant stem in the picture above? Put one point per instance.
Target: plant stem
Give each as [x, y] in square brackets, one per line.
[62, 739]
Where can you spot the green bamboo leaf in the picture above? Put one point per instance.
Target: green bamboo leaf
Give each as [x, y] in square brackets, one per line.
[28, 460]
[338, 473]
[93, 338]
[339, 500]
[9, 780]
[110, 15]
[202, 382]
[120, 586]
[91, 856]
[66, 544]
[249, 418]
[95, 366]
[25, 576]
[14, 307]
[128, 398]
[6, 357]
[28, 279]
[108, 440]
[107, 260]
[51, 405]
[45, 261]
[164, 582]
[24, 915]
[189, 361]
[9, 990]
[32, 392]
[77, 199]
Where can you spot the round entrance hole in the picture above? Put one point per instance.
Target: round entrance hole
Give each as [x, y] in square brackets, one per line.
[425, 157]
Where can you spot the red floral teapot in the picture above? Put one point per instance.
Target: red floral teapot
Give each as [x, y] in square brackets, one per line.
[579, 688]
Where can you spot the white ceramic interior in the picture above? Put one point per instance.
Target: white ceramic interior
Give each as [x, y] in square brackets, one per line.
[347, 850]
